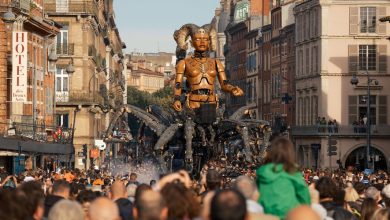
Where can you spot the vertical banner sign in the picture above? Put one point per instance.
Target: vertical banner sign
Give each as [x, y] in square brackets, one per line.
[19, 66]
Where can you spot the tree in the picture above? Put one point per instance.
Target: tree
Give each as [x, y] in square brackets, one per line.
[163, 97]
[138, 98]
[142, 99]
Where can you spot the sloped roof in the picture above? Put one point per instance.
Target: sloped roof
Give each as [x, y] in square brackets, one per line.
[147, 72]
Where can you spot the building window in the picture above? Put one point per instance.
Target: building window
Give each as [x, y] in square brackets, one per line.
[62, 81]
[62, 6]
[382, 120]
[62, 120]
[314, 105]
[315, 25]
[314, 62]
[357, 112]
[269, 91]
[300, 63]
[62, 41]
[367, 19]
[307, 61]
[300, 108]
[367, 57]
[306, 110]
[307, 32]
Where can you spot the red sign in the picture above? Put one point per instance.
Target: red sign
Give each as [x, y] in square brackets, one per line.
[94, 153]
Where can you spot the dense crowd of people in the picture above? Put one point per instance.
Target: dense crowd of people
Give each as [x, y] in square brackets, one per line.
[276, 190]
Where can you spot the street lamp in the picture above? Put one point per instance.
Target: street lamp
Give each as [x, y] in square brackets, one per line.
[53, 56]
[9, 16]
[355, 82]
[385, 19]
[70, 69]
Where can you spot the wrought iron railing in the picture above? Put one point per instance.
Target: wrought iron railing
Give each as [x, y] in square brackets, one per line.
[81, 97]
[65, 49]
[345, 130]
[71, 7]
[20, 4]
[39, 132]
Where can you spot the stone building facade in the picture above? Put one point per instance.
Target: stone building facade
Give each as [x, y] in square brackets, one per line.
[252, 71]
[236, 63]
[89, 41]
[159, 62]
[265, 48]
[144, 79]
[282, 66]
[241, 49]
[26, 42]
[329, 51]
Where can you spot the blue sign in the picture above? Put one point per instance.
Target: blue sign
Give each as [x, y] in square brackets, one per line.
[19, 165]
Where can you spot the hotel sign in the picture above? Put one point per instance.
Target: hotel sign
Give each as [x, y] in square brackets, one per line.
[19, 66]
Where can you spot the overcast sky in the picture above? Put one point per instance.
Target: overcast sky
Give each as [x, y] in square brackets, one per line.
[148, 25]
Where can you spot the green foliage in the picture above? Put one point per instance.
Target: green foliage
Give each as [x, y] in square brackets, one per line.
[141, 99]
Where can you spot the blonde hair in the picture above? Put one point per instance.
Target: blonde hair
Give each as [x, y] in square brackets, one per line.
[350, 194]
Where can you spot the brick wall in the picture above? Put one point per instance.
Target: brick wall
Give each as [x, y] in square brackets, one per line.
[3, 75]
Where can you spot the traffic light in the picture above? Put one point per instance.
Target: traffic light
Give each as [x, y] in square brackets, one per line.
[332, 146]
[85, 150]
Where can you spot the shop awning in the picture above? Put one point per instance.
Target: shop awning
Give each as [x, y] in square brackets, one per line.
[30, 146]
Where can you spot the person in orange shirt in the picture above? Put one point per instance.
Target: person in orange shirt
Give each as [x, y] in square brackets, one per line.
[57, 176]
[69, 177]
[98, 181]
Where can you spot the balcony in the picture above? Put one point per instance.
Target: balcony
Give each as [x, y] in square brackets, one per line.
[23, 5]
[62, 96]
[85, 7]
[39, 133]
[79, 97]
[65, 49]
[347, 131]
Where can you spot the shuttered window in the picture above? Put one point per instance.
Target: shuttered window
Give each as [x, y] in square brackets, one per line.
[382, 58]
[367, 57]
[382, 110]
[300, 108]
[381, 25]
[353, 58]
[352, 109]
[368, 19]
[353, 20]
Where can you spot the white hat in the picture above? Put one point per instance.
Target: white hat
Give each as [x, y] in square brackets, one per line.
[316, 178]
[28, 179]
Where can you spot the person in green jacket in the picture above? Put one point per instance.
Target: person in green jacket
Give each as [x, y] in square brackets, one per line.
[281, 185]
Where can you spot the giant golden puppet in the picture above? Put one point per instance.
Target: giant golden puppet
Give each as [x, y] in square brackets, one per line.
[199, 69]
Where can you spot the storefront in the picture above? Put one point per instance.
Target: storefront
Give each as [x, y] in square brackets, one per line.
[17, 155]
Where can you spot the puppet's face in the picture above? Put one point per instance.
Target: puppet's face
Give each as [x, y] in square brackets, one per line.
[201, 41]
